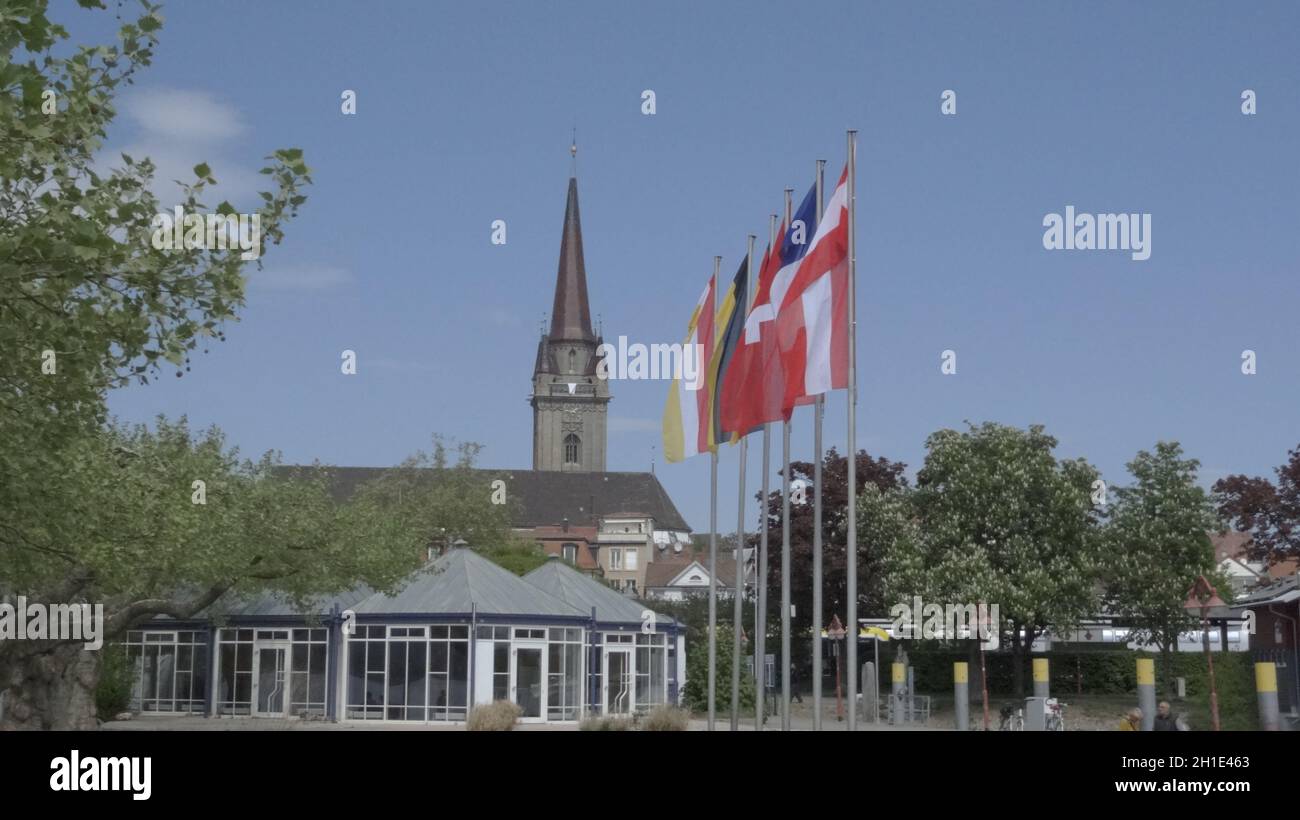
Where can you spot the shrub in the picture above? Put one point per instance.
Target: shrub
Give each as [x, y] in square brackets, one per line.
[666, 719]
[605, 724]
[113, 692]
[696, 689]
[494, 717]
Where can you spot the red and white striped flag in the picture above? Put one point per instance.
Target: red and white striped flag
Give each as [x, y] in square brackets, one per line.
[812, 321]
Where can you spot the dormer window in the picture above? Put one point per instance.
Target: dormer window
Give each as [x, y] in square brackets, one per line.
[570, 553]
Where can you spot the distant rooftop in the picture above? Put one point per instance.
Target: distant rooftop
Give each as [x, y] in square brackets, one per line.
[545, 497]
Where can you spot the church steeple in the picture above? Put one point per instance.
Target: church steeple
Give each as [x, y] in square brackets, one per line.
[571, 314]
[569, 396]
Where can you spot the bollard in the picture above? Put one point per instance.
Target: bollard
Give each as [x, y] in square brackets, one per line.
[961, 694]
[898, 678]
[1146, 670]
[911, 695]
[1266, 691]
[1042, 681]
[870, 691]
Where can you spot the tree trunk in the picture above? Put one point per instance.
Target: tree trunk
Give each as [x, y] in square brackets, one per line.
[976, 677]
[51, 688]
[1027, 664]
[1017, 663]
[1167, 664]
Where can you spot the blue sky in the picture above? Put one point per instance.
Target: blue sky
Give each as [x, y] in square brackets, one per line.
[464, 115]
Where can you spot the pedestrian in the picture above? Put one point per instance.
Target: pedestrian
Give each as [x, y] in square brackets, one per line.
[795, 697]
[1166, 720]
[1132, 722]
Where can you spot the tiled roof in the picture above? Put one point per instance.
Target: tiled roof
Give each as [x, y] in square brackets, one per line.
[545, 497]
[1229, 544]
[660, 574]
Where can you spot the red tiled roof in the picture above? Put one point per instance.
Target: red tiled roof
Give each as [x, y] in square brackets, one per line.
[1229, 544]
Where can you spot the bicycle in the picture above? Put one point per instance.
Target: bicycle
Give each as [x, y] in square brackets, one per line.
[1055, 715]
[1013, 719]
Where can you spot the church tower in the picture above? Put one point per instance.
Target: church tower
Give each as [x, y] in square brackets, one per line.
[569, 401]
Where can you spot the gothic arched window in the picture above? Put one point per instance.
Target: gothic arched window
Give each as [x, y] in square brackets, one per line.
[572, 449]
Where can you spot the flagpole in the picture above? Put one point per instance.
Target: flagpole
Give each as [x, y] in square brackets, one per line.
[760, 615]
[818, 408]
[785, 551]
[713, 534]
[738, 603]
[852, 463]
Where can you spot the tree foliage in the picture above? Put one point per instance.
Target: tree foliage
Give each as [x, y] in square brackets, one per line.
[150, 520]
[995, 518]
[86, 302]
[1157, 538]
[879, 474]
[695, 692]
[1270, 512]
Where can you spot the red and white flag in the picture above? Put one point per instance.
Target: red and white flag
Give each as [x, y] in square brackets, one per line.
[812, 319]
[752, 389]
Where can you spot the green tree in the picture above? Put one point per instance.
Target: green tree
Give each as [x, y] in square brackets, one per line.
[696, 690]
[148, 521]
[128, 527]
[873, 473]
[994, 518]
[1157, 537]
[87, 303]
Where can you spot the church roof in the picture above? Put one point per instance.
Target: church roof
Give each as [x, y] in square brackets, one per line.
[543, 497]
[571, 314]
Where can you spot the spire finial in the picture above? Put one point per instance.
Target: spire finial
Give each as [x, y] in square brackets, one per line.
[573, 152]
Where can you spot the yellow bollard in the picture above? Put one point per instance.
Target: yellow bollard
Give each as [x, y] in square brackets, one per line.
[1042, 678]
[1266, 693]
[961, 694]
[1146, 672]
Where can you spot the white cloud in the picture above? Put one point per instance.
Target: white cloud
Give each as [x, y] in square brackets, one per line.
[186, 116]
[178, 129]
[176, 162]
[299, 277]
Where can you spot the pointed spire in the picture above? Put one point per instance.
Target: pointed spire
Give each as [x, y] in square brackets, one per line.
[571, 315]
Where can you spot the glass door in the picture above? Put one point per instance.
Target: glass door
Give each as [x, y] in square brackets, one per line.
[527, 687]
[618, 681]
[270, 676]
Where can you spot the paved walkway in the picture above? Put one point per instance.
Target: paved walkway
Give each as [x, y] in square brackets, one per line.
[799, 721]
